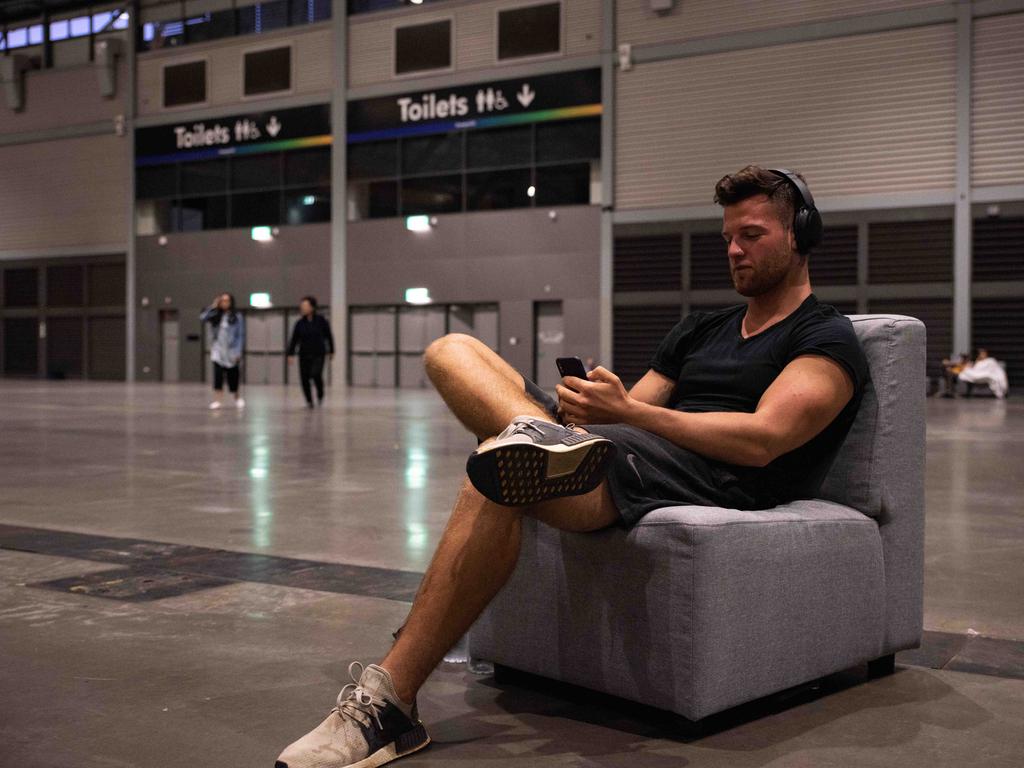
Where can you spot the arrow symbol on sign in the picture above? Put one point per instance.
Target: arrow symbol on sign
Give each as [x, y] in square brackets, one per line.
[526, 95]
[273, 127]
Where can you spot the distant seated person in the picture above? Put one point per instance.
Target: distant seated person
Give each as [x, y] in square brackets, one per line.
[985, 370]
[952, 367]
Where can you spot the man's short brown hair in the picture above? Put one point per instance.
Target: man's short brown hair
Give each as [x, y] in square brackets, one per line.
[754, 180]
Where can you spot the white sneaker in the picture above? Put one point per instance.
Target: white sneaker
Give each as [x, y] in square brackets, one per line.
[370, 726]
[216, 404]
[240, 403]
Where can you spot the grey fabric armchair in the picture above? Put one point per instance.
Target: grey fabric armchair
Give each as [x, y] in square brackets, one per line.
[699, 609]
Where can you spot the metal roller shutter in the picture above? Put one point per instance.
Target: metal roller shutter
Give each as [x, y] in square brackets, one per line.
[834, 262]
[937, 316]
[998, 251]
[709, 264]
[997, 327]
[648, 263]
[637, 333]
[858, 115]
[910, 252]
[997, 101]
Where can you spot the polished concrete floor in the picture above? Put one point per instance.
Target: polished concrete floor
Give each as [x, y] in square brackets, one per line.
[186, 587]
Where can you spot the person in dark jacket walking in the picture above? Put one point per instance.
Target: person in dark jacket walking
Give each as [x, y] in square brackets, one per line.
[313, 340]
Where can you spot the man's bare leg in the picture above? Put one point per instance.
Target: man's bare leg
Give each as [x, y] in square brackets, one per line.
[474, 559]
[483, 391]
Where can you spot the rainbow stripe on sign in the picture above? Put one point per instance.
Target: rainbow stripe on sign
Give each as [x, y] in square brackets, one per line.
[209, 153]
[444, 126]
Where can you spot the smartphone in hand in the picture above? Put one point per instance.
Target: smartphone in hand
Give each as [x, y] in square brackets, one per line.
[571, 366]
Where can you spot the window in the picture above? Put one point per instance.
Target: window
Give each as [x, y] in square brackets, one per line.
[210, 26]
[199, 213]
[563, 185]
[493, 190]
[531, 31]
[497, 168]
[437, 194]
[256, 172]
[59, 30]
[308, 166]
[429, 154]
[203, 177]
[499, 147]
[423, 47]
[156, 181]
[293, 187]
[306, 206]
[268, 71]
[569, 140]
[373, 159]
[185, 84]
[254, 209]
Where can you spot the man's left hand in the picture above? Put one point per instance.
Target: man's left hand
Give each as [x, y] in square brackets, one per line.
[601, 400]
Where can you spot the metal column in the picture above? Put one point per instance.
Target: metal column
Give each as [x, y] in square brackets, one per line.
[339, 193]
[962, 221]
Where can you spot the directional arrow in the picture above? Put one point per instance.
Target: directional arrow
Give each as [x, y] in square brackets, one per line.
[526, 95]
[273, 127]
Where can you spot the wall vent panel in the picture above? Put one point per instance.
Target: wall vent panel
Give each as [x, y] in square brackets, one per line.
[648, 263]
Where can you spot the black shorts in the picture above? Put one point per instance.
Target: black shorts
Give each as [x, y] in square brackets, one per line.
[650, 472]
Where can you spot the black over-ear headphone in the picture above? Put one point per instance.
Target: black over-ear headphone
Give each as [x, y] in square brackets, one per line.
[807, 226]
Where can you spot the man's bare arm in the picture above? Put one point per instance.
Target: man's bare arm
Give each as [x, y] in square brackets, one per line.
[653, 389]
[808, 394]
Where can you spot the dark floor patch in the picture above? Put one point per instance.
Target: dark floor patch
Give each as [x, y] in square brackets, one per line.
[989, 656]
[201, 568]
[134, 585]
[153, 570]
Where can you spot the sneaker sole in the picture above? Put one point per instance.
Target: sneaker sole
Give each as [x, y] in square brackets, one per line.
[516, 475]
[404, 745]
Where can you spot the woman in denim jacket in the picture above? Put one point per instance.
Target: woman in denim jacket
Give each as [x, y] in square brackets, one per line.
[227, 329]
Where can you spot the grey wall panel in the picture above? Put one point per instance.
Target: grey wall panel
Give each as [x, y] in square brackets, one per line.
[864, 114]
[191, 268]
[86, 208]
[58, 98]
[312, 65]
[511, 257]
[636, 23]
[997, 101]
[474, 31]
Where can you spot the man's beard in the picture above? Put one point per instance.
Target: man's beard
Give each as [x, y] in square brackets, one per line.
[764, 277]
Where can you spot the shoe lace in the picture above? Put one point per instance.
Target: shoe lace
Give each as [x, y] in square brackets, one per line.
[358, 703]
[526, 426]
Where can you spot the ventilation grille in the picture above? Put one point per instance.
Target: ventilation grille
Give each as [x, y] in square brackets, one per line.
[997, 327]
[637, 333]
[910, 252]
[998, 249]
[709, 264]
[937, 316]
[845, 307]
[834, 262]
[648, 263]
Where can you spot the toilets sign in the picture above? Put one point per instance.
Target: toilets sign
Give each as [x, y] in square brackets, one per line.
[507, 102]
[235, 134]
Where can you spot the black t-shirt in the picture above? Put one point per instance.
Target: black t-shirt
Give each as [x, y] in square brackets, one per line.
[716, 369]
[312, 337]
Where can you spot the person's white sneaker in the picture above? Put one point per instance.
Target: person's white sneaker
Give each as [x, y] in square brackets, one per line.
[240, 403]
[216, 404]
[370, 726]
